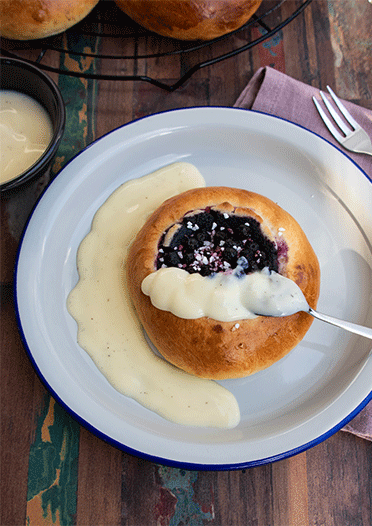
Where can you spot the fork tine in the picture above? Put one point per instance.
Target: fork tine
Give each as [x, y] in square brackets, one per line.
[327, 122]
[335, 116]
[343, 110]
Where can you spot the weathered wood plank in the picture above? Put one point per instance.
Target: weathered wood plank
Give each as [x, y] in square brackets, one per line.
[339, 481]
[17, 378]
[290, 491]
[99, 481]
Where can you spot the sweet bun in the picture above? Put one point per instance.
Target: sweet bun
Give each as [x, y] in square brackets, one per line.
[203, 346]
[33, 19]
[190, 19]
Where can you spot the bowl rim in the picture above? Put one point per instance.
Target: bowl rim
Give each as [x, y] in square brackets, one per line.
[44, 159]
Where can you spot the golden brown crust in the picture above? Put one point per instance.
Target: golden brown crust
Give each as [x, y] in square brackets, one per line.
[190, 19]
[203, 346]
[33, 19]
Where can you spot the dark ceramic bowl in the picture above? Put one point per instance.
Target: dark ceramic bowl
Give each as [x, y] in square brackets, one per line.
[21, 76]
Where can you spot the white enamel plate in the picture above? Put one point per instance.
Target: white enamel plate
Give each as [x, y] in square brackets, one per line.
[293, 405]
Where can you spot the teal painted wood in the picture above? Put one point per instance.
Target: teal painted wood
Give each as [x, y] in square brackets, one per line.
[178, 503]
[53, 465]
[53, 457]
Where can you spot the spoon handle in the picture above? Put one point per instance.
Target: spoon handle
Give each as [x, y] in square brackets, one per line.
[351, 327]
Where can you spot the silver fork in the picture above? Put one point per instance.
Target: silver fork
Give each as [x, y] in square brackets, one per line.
[355, 138]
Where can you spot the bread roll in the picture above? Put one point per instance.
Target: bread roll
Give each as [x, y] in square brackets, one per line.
[203, 346]
[190, 19]
[33, 19]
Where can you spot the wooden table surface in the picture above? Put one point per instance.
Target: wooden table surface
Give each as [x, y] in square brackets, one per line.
[53, 471]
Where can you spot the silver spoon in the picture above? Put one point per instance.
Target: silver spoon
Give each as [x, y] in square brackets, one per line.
[274, 295]
[348, 326]
[280, 296]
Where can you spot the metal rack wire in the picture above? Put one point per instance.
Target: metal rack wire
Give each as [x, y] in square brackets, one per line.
[107, 22]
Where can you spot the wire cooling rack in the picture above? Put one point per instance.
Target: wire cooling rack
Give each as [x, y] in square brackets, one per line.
[132, 48]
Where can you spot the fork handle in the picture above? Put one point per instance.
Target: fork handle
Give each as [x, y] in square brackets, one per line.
[366, 152]
[348, 326]
[365, 148]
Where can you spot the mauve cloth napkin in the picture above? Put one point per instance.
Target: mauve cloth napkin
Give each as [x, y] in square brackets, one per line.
[275, 93]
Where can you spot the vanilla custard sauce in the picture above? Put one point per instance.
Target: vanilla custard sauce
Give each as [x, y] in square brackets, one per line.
[25, 133]
[223, 296]
[108, 328]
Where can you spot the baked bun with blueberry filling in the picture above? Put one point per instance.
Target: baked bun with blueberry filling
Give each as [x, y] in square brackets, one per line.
[207, 230]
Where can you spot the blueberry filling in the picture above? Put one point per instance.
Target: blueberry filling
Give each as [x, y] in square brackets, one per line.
[210, 241]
